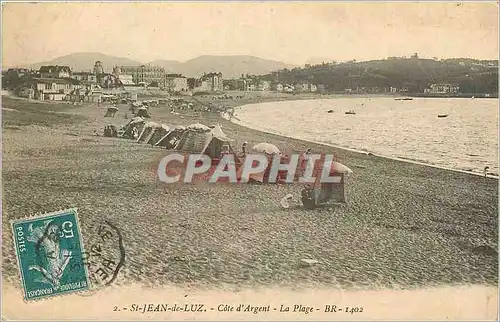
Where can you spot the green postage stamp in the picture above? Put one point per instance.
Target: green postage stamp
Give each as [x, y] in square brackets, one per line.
[45, 247]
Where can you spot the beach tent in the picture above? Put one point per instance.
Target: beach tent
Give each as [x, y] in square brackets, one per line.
[157, 134]
[111, 111]
[133, 123]
[199, 138]
[148, 128]
[134, 106]
[193, 139]
[214, 142]
[139, 128]
[143, 112]
[325, 193]
[266, 148]
[170, 139]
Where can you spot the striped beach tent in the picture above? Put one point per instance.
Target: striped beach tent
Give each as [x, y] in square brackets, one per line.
[170, 139]
[157, 133]
[149, 127]
[135, 122]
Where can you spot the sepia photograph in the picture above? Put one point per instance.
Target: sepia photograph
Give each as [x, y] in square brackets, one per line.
[250, 160]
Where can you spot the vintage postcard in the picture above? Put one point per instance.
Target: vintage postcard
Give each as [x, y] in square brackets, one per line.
[237, 161]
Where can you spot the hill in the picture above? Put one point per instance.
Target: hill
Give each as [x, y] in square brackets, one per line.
[171, 66]
[229, 66]
[475, 76]
[86, 61]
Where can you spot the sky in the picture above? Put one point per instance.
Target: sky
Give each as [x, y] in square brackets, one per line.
[291, 32]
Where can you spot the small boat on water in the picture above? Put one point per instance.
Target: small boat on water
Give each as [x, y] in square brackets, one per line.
[442, 115]
[350, 112]
[404, 99]
[330, 111]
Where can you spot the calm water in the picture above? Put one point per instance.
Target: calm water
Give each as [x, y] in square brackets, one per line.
[466, 140]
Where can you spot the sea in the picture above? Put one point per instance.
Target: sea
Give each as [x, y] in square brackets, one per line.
[466, 139]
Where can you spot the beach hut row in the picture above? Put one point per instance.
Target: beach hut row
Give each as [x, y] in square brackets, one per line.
[195, 138]
[209, 140]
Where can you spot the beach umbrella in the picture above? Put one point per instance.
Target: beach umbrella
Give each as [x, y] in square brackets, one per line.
[338, 167]
[267, 148]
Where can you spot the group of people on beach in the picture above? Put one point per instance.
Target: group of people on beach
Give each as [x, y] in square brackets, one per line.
[244, 151]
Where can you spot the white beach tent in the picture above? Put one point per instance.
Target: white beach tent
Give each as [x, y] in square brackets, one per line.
[214, 142]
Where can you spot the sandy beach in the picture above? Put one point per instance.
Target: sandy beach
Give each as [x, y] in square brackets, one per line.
[405, 226]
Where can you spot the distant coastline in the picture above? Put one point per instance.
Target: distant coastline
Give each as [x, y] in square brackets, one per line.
[422, 95]
[459, 95]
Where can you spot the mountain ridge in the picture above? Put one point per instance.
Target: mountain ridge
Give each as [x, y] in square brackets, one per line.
[231, 66]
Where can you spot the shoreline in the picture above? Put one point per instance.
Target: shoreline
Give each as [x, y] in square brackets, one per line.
[240, 122]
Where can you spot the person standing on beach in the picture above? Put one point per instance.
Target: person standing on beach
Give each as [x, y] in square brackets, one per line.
[244, 148]
[306, 154]
[305, 159]
[224, 150]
